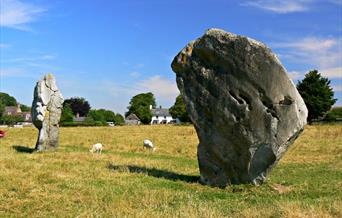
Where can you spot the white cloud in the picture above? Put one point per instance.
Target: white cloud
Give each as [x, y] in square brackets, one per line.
[280, 6]
[321, 53]
[332, 72]
[162, 88]
[139, 65]
[118, 90]
[308, 44]
[134, 74]
[16, 14]
[3, 45]
[45, 57]
[17, 72]
[294, 75]
[337, 88]
[286, 6]
[11, 72]
[133, 65]
[339, 2]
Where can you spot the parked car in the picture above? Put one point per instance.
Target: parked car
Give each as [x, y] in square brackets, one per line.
[111, 124]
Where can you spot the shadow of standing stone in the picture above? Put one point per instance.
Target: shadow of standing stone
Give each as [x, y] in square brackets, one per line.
[23, 149]
[154, 172]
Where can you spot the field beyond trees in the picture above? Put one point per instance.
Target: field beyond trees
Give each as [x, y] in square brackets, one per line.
[127, 180]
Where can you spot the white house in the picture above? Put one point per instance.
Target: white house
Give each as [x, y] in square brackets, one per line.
[78, 118]
[162, 116]
[132, 119]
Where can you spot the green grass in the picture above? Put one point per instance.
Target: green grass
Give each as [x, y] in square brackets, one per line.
[128, 181]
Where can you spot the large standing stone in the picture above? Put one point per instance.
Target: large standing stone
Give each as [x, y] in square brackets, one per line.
[46, 112]
[245, 109]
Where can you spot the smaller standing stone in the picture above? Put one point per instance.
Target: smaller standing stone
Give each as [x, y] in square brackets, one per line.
[46, 112]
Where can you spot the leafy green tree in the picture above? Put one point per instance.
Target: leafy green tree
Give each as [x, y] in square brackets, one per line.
[7, 100]
[105, 116]
[109, 115]
[89, 121]
[144, 114]
[102, 116]
[2, 108]
[78, 105]
[10, 119]
[25, 108]
[334, 114]
[317, 94]
[119, 119]
[97, 115]
[67, 114]
[178, 110]
[140, 106]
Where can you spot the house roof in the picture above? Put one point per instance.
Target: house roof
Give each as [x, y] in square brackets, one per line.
[11, 109]
[26, 116]
[132, 117]
[161, 112]
[79, 119]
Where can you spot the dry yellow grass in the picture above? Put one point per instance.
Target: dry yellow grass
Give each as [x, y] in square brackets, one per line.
[321, 143]
[128, 181]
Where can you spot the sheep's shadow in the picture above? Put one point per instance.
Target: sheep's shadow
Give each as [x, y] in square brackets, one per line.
[154, 172]
[23, 149]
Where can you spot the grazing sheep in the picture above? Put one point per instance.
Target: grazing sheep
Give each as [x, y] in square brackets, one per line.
[96, 148]
[148, 144]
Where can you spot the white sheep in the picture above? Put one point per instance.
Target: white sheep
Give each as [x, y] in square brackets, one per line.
[148, 144]
[96, 148]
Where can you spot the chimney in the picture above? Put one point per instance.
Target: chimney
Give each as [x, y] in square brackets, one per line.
[18, 108]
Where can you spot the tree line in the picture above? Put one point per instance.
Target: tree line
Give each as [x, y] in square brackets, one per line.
[314, 89]
[318, 96]
[79, 107]
[139, 105]
[7, 100]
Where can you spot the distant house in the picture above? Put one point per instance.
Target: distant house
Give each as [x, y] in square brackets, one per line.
[12, 110]
[16, 111]
[26, 116]
[132, 119]
[78, 118]
[162, 116]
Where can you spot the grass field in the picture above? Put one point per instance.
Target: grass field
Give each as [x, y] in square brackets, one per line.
[128, 181]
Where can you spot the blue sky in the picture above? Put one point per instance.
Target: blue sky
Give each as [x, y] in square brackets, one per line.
[109, 50]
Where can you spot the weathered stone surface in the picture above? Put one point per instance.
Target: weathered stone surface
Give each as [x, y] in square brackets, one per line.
[46, 112]
[245, 109]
